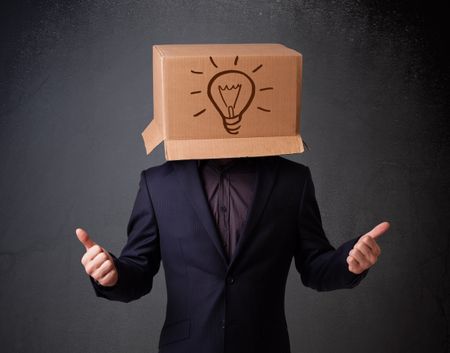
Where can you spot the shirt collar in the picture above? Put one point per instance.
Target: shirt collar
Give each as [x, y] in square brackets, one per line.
[219, 167]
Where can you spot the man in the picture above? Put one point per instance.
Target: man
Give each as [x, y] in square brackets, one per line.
[226, 233]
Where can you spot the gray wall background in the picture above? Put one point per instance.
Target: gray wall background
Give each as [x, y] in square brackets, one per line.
[76, 92]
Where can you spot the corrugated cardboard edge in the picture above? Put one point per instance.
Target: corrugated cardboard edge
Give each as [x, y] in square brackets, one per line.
[152, 136]
[229, 148]
[299, 92]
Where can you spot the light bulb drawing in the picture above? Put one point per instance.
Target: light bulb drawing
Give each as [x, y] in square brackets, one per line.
[231, 92]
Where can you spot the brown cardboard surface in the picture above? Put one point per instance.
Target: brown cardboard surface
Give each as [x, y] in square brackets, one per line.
[225, 100]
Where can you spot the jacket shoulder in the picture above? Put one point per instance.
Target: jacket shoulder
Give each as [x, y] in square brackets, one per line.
[286, 165]
[158, 171]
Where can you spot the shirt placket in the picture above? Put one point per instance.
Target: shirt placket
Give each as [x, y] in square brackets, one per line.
[224, 206]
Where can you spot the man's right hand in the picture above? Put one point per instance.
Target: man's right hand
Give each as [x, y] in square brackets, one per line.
[97, 262]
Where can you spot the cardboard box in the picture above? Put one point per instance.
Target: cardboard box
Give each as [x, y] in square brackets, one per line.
[225, 100]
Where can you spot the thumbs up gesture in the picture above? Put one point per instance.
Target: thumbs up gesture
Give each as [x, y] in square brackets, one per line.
[97, 262]
[366, 251]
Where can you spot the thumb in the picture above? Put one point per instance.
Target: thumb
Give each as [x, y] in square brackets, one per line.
[378, 230]
[84, 238]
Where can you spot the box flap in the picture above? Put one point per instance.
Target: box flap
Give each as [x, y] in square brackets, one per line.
[152, 136]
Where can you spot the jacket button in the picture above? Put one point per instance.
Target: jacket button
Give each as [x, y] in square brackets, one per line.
[230, 280]
[222, 323]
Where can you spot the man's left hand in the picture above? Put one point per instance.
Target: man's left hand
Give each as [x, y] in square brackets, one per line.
[366, 251]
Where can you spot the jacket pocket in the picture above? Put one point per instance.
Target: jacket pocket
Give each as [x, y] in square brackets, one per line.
[175, 332]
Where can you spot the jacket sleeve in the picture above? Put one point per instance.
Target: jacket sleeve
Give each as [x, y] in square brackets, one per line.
[140, 258]
[321, 266]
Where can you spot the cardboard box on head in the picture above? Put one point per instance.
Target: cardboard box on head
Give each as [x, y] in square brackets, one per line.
[225, 100]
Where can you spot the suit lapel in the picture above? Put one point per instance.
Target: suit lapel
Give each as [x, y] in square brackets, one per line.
[189, 178]
[266, 175]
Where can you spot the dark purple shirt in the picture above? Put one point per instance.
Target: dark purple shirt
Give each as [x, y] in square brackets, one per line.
[229, 186]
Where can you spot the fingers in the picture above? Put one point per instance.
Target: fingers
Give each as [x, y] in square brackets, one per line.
[90, 254]
[99, 264]
[364, 254]
[378, 230]
[371, 243]
[359, 256]
[366, 251]
[95, 262]
[105, 273]
[353, 265]
[84, 238]
[100, 273]
[109, 279]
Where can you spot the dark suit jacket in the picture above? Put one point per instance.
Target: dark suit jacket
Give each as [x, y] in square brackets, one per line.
[216, 306]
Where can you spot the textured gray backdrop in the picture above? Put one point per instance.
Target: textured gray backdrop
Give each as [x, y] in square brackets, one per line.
[76, 92]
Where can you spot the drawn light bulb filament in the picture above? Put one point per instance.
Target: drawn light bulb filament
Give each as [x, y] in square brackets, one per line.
[229, 97]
